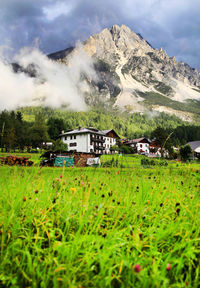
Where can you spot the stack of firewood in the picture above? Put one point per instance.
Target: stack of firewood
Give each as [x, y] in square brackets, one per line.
[15, 160]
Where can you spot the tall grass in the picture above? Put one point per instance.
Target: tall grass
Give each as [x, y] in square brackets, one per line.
[89, 227]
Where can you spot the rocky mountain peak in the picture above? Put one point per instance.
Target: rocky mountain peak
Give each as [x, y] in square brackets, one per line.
[133, 75]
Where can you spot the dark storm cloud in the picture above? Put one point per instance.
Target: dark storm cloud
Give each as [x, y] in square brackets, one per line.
[173, 25]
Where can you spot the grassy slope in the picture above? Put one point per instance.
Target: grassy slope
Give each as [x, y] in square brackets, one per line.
[152, 98]
[90, 227]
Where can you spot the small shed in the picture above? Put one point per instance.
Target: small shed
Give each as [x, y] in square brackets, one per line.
[61, 158]
[61, 161]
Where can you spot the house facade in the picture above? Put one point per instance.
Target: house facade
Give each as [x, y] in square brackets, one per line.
[89, 140]
[140, 145]
[195, 146]
[110, 137]
[154, 149]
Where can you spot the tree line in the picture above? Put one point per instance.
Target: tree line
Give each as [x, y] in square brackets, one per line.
[30, 127]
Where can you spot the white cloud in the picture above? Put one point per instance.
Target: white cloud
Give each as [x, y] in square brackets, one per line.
[56, 85]
[56, 10]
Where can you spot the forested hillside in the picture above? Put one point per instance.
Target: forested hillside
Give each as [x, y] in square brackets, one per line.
[32, 126]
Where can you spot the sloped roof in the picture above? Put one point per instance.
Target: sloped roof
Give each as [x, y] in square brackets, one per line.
[82, 131]
[88, 130]
[194, 145]
[138, 140]
[111, 130]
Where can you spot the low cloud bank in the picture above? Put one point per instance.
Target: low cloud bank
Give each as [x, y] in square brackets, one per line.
[55, 85]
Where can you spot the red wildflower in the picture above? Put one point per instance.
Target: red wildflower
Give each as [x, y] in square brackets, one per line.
[168, 266]
[137, 268]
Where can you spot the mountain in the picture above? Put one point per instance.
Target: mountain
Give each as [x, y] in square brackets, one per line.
[134, 76]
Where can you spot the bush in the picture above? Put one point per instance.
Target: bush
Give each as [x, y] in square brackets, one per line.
[148, 162]
[163, 163]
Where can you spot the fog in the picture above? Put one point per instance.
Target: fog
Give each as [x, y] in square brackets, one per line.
[55, 85]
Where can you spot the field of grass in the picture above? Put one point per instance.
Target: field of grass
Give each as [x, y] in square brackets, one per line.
[100, 227]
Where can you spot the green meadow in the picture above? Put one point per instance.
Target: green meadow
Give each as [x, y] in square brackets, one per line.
[124, 226]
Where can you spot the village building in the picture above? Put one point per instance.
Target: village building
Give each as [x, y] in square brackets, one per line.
[110, 137]
[89, 140]
[195, 146]
[140, 145]
[154, 149]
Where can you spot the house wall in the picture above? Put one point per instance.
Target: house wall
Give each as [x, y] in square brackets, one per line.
[142, 146]
[109, 142]
[79, 142]
[96, 142]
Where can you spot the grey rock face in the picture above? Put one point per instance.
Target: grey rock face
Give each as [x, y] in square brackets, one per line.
[127, 67]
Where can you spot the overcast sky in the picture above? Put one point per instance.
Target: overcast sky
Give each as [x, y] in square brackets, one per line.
[54, 25]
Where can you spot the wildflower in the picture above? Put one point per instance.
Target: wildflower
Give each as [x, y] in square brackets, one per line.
[72, 189]
[137, 268]
[141, 235]
[168, 266]
[36, 199]
[36, 191]
[53, 185]
[24, 199]
[61, 176]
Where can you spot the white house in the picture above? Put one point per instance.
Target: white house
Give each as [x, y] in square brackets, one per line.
[195, 146]
[89, 140]
[110, 137]
[141, 145]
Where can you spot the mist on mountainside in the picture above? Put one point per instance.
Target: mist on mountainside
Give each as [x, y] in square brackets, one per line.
[54, 84]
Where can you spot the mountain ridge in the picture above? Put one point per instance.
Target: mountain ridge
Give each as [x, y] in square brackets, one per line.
[129, 70]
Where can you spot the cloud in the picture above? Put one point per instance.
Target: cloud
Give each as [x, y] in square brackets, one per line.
[55, 84]
[59, 24]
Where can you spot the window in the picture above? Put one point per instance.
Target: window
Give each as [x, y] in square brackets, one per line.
[141, 145]
[71, 137]
[74, 136]
[73, 144]
[65, 137]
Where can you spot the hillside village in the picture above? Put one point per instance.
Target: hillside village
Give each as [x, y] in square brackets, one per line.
[47, 132]
[91, 140]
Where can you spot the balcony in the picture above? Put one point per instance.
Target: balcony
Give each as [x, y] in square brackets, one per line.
[93, 139]
[100, 148]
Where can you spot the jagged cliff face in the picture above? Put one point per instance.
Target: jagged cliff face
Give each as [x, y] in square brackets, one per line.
[134, 76]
